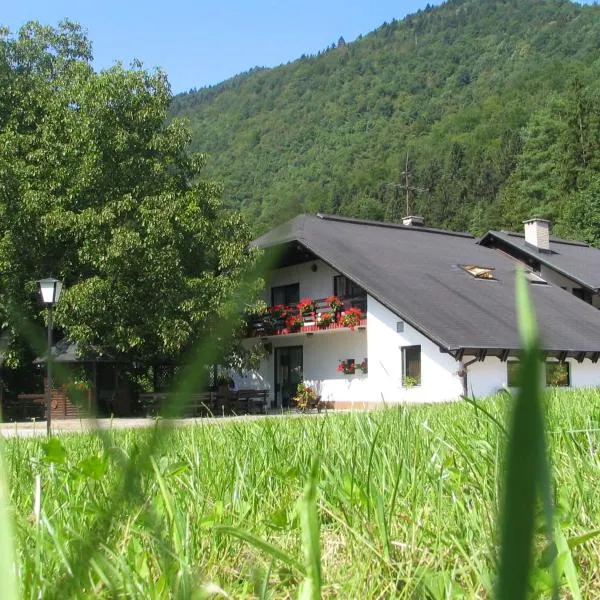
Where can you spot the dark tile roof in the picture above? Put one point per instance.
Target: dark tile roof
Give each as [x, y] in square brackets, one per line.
[575, 260]
[65, 351]
[416, 273]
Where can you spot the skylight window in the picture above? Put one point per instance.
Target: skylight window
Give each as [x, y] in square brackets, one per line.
[479, 272]
[534, 278]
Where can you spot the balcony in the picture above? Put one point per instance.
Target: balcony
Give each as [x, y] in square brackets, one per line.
[310, 316]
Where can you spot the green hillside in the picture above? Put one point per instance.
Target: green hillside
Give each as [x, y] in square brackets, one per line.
[495, 103]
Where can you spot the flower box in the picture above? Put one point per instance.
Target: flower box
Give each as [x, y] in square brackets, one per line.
[324, 320]
[306, 306]
[350, 318]
[348, 367]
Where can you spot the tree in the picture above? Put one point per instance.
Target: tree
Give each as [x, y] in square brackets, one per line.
[581, 215]
[99, 190]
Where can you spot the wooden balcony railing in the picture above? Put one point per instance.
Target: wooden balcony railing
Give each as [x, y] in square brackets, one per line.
[283, 320]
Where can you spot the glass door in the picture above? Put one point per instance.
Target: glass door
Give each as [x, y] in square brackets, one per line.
[288, 374]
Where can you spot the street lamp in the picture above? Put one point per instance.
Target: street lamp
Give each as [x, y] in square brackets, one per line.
[50, 290]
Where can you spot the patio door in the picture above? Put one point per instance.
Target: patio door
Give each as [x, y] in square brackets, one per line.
[288, 374]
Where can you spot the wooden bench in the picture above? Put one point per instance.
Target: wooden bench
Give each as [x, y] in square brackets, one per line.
[205, 403]
[24, 408]
[251, 401]
[187, 405]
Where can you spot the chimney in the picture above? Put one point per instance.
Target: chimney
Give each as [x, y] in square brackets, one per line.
[412, 221]
[537, 234]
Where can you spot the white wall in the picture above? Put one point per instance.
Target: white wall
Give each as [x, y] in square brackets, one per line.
[486, 377]
[439, 380]
[316, 285]
[322, 353]
[559, 280]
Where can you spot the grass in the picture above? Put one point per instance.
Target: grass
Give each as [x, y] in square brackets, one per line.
[401, 502]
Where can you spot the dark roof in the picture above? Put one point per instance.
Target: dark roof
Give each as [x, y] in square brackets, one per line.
[67, 352]
[416, 273]
[576, 260]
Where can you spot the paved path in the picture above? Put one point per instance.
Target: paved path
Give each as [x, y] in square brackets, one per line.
[30, 429]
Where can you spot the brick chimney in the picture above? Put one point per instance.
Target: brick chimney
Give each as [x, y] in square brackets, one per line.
[537, 234]
[412, 221]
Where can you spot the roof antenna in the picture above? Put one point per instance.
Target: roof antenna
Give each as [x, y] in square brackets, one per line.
[409, 189]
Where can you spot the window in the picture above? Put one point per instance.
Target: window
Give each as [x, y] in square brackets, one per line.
[558, 374]
[411, 366]
[479, 272]
[512, 373]
[534, 278]
[583, 294]
[346, 288]
[285, 294]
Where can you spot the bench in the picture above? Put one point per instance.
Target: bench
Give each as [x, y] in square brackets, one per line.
[185, 406]
[24, 408]
[251, 401]
[205, 403]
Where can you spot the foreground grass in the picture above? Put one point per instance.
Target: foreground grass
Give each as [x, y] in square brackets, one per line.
[407, 499]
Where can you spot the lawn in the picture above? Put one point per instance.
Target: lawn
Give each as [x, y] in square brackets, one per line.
[407, 499]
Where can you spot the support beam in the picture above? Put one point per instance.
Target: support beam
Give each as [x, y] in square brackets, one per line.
[504, 355]
[580, 356]
[562, 357]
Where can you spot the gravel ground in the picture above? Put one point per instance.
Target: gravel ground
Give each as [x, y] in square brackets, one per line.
[29, 429]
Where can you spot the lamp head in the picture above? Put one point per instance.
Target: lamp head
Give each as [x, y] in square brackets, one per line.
[50, 290]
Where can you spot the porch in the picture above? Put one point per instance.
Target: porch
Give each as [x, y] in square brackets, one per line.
[332, 362]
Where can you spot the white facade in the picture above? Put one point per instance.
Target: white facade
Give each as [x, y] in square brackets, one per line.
[439, 379]
[381, 341]
[551, 276]
[313, 283]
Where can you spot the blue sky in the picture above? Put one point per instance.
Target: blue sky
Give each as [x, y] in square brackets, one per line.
[204, 42]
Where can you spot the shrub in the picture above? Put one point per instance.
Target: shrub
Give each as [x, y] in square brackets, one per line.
[306, 397]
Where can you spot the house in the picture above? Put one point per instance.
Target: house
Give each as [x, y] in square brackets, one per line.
[572, 266]
[437, 315]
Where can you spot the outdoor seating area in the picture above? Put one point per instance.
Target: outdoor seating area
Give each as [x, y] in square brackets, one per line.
[26, 407]
[205, 404]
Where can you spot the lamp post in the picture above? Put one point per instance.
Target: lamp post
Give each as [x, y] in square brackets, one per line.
[50, 290]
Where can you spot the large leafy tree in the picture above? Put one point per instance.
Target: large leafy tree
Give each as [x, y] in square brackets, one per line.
[97, 188]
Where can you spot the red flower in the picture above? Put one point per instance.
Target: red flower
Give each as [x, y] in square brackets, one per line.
[324, 319]
[294, 323]
[306, 306]
[351, 317]
[335, 303]
[347, 366]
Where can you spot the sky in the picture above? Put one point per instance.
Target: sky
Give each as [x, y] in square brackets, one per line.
[204, 42]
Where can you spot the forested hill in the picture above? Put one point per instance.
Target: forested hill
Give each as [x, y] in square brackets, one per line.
[496, 104]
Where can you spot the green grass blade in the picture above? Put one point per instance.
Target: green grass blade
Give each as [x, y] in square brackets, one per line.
[582, 539]
[7, 550]
[526, 462]
[262, 545]
[569, 569]
[311, 544]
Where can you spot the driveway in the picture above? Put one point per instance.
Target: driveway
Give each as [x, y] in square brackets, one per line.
[60, 426]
